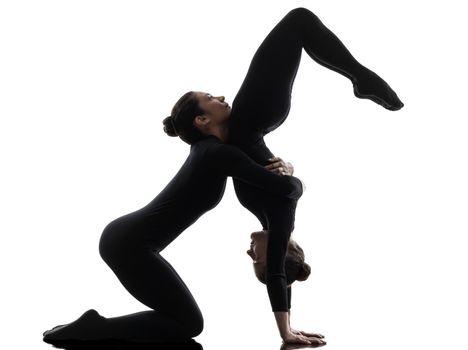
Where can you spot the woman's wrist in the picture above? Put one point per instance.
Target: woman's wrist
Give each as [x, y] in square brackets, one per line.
[282, 321]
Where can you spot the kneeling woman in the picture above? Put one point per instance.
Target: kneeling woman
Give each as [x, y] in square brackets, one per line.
[131, 244]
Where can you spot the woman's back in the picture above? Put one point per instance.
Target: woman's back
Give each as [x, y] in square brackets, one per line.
[193, 191]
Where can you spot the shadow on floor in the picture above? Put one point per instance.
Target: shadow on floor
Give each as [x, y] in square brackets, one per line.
[122, 345]
[298, 346]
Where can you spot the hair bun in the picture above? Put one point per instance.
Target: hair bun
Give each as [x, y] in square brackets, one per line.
[304, 272]
[169, 127]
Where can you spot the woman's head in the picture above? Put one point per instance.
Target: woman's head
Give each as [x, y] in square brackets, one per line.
[295, 267]
[195, 115]
[180, 122]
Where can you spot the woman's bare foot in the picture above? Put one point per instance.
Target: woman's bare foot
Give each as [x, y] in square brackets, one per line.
[88, 327]
[369, 85]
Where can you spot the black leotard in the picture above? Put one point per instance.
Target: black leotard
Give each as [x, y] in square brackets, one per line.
[130, 245]
[263, 103]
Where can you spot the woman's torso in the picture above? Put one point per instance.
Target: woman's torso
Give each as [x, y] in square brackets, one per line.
[193, 191]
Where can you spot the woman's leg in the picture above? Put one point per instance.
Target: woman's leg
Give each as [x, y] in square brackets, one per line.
[263, 100]
[151, 280]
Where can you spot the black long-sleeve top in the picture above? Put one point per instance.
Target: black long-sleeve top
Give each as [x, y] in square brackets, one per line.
[199, 186]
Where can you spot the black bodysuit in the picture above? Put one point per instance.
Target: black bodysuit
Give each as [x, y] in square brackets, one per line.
[131, 244]
[261, 105]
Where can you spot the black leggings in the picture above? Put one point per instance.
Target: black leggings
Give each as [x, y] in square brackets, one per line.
[261, 105]
[150, 279]
[263, 101]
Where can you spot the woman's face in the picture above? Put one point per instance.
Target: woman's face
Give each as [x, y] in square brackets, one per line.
[258, 248]
[215, 108]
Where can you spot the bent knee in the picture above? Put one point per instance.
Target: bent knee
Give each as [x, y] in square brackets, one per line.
[301, 13]
[196, 327]
[192, 322]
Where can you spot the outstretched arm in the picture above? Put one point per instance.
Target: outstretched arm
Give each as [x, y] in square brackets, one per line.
[283, 318]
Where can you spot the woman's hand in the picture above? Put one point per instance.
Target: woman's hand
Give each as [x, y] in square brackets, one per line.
[280, 167]
[297, 337]
[292, 336]
[310, 335]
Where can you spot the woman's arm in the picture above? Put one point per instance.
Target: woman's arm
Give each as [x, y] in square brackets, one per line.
[231, 161]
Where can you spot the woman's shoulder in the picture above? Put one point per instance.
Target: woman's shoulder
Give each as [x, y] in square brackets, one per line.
[207, 147]
[213, 151]
[210, 143]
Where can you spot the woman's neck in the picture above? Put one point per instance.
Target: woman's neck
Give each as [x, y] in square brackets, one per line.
[221, 133]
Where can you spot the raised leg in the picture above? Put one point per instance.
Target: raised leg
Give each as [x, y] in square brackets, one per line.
[263, 100]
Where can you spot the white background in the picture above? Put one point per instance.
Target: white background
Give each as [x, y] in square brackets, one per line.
[84, 86]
